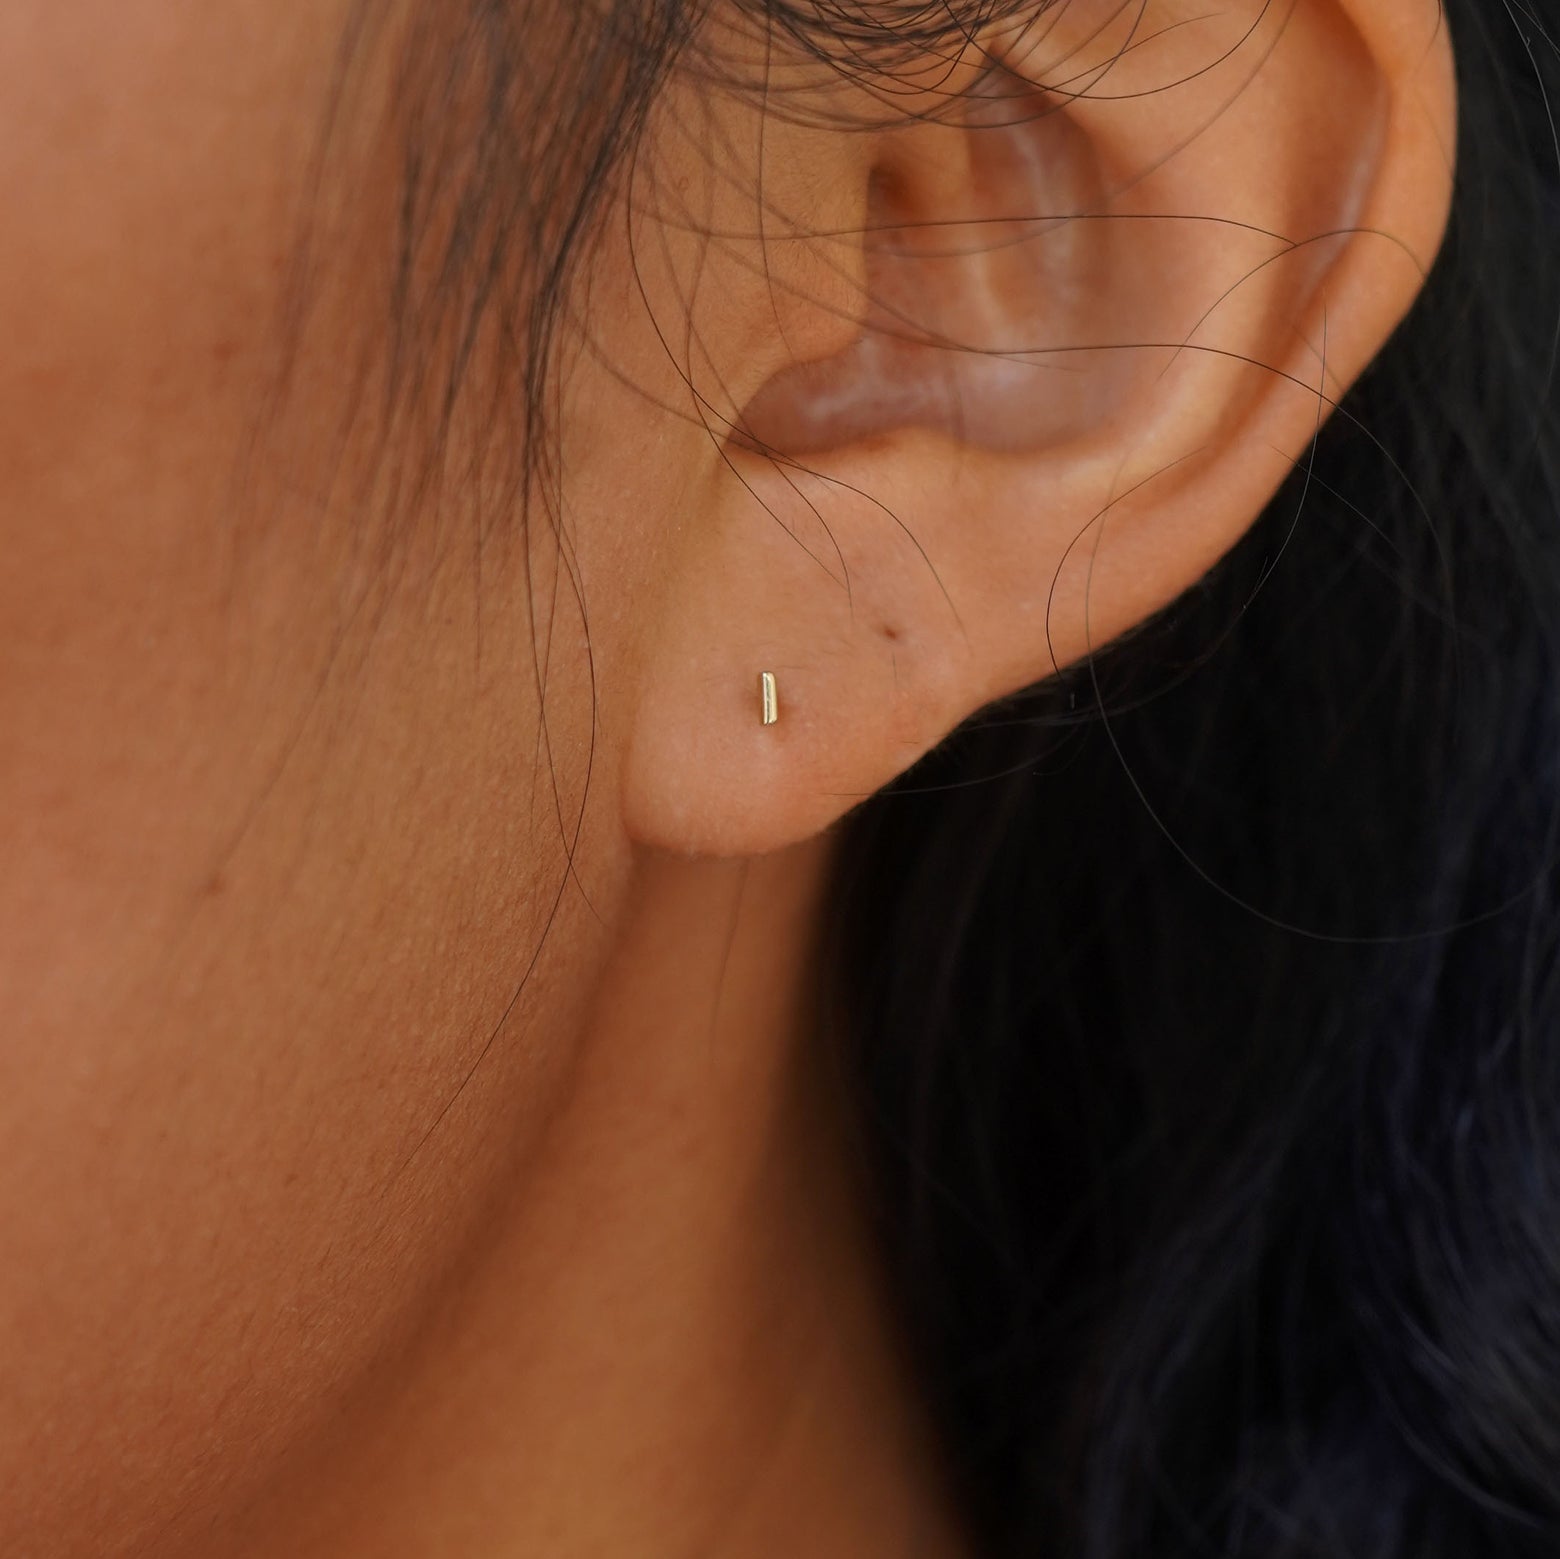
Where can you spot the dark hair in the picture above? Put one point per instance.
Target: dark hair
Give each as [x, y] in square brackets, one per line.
[1202, 1005]
[1204, 1002]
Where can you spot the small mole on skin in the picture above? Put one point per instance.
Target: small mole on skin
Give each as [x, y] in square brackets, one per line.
[890, 633]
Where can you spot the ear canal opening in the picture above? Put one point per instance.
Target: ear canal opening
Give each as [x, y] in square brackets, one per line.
[986, 258]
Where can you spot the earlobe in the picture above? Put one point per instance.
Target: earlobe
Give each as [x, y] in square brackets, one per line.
[1111, 292]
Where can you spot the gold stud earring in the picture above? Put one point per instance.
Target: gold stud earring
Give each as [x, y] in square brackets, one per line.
[768, 698]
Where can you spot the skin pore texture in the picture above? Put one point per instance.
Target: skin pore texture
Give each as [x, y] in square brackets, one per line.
[417, 1136]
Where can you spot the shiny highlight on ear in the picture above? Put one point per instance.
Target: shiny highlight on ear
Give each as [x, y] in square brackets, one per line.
[973, 289]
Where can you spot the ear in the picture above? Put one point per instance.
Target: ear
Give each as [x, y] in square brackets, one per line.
[1110, 287]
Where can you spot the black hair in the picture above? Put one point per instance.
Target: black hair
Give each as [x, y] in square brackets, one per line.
[1202, 1005]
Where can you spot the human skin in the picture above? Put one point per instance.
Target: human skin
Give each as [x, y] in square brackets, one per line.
[277, 862]
[409, 1146]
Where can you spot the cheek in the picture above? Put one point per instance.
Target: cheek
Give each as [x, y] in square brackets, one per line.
[265, 892]
[144, 170]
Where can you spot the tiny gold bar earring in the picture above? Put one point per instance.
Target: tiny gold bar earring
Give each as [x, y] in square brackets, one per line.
[768, 697]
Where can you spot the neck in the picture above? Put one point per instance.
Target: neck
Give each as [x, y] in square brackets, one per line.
[677, 1341]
